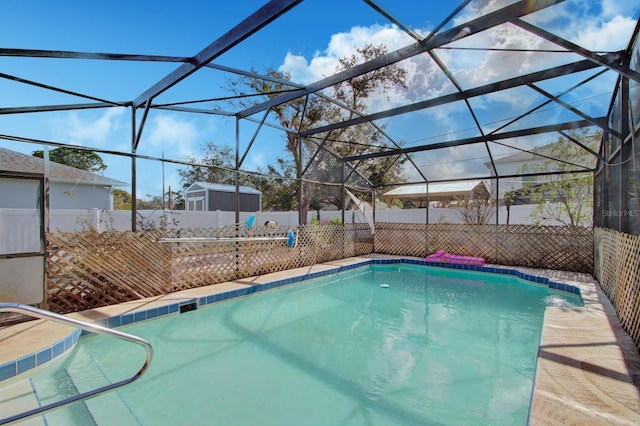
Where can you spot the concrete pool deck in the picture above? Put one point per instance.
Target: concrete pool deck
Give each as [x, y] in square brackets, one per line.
[588, 367]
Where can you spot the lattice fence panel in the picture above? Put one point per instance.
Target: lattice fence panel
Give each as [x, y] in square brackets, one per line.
[552, 247]
[89, 269]
[196, 264]
[618, 272]
[199, 263]
[464, 240]
[358, 239]
[605, 266]
[321, 243]
[263, 257]
[402, 239]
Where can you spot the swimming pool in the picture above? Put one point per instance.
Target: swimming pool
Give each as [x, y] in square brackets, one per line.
[437, 346]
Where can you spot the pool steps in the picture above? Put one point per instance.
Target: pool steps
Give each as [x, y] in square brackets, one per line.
[24, 364]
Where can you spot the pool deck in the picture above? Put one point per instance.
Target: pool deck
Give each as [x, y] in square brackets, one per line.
[588, 369]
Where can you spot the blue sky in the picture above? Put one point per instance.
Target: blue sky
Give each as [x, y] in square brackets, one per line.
[306, 42]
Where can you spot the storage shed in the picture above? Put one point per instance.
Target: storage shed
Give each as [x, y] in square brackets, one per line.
[204, 196]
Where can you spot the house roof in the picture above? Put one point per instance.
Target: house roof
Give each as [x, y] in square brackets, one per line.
[437, 191]
[12, 161]
[519, 157]
[222, 188]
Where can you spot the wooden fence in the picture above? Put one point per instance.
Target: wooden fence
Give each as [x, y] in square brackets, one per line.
[90, 269]
[617, 269]
[551, 247]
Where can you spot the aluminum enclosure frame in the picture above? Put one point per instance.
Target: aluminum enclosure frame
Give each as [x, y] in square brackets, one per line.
[139, 107]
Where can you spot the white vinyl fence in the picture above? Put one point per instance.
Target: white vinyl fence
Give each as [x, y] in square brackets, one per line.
[20, 228]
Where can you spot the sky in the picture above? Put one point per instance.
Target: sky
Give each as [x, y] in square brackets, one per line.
[307, 43]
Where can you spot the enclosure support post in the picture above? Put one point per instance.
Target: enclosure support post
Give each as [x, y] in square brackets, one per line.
[237, 170]
[344, 203]
[237, 195]
[301, 220]
[343, 192]
[134, 194]
[625, 154]
[427, 204]
[373, 217]
[498, 203]
[45, 225]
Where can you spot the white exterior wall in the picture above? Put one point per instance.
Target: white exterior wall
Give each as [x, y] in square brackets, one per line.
[19, 193]
[512, 168]
[72, 196]
[25, 193]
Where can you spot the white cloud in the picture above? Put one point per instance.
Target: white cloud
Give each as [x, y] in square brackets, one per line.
[599, 26]
[620, 7]
[83, 130]
[610, 35]
[257, 160]
[324, 63]
[179, 137]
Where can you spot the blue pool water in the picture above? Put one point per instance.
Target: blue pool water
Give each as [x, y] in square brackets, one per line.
[437, 347]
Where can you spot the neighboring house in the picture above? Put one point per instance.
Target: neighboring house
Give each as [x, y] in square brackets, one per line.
[69, 188]
[535, 199]
[529, 162]
[204, 196]
[515, 164]
[441, 193]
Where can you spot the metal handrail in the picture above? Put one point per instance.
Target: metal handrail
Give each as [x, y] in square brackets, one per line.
[93, 328]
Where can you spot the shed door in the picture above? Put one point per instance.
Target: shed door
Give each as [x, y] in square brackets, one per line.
[195, 204]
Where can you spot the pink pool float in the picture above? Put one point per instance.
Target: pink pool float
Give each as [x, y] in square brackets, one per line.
[444, 257]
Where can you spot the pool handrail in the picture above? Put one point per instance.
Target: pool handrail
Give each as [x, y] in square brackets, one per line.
[92, 328]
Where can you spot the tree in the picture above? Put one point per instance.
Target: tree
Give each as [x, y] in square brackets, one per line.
[477, 207]
[121, 200]
[79, 158]
[279, 194]
[217, 166]
[564, 197]
[321, 156]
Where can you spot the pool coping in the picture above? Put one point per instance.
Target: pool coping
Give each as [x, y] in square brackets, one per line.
[553, 401]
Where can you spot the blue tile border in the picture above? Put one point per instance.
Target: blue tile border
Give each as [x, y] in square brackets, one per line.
[31, 361]
[13, 368]
[567, 288]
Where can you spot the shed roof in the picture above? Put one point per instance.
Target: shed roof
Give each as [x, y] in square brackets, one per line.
[437, 191]
[12, 161]
[222, 188]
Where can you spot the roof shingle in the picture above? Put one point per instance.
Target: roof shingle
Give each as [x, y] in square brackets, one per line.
[12, 161]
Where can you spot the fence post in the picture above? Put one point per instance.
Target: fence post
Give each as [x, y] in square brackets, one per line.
[94, 218]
